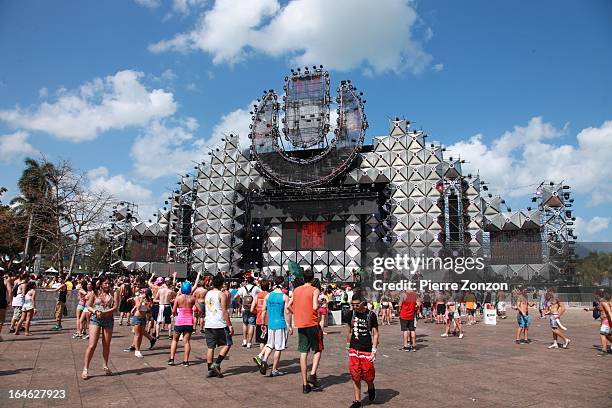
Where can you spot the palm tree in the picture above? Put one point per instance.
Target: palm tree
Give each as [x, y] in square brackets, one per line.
[35, 186]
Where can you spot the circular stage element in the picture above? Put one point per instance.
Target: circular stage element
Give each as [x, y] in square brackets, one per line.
[307, 157]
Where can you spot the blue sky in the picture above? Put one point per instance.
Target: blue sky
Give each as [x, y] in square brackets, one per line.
[132, 91]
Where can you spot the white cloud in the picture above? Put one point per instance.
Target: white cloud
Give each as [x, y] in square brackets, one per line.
[438, 67]
[118, 186]
[236, 122]
[14, 147]
[114, 102]
[516, 162]
[164, 150]
[43, 93]
[337, 34]
[149, 3]
[168, 75]
[588, 230]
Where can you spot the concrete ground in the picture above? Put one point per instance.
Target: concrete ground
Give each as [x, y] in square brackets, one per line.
[484, 369]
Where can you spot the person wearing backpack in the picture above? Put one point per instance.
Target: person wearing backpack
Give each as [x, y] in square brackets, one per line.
[246, 295]
[361, 341]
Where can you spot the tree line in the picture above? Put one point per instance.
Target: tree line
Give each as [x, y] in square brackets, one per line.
[55, 216]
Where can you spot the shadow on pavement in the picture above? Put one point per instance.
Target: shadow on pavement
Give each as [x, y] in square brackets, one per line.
[334, 379]
[15, 371]
[140, 371]
[385, 395]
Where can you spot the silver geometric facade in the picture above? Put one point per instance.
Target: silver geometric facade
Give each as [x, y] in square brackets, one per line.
[417, 202]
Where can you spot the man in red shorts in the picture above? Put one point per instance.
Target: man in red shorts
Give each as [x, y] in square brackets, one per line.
[362, 340]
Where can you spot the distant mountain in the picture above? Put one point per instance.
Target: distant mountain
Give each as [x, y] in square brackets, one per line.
[584, 248]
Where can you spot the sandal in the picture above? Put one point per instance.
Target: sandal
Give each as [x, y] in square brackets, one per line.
[107, 371]
[84, 374]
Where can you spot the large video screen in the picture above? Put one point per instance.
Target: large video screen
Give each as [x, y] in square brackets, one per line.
[315, 235]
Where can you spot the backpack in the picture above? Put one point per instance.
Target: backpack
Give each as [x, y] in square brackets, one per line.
[596, 312]
[247, 301]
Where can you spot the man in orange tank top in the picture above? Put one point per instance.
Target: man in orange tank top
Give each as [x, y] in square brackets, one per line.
[304, 305]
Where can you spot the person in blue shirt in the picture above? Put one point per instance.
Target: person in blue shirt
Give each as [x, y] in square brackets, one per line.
[276, 308]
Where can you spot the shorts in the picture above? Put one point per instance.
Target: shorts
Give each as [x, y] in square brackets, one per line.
[471, 312]
[217, 337]
[501, 306]
[277, 339]
[60, 310]
[523, 321]
[187, 328]
[407, 325]
[605, 330]
[440, 309]
[310, 338]
[2, 315]
[81, 307]
[322, 311]
[552, 320]
[17, 312]
[138, 320]
[260, 335]
[360, 366]
[104, 322]
[248, 318]
[154, 311]
[164, 314]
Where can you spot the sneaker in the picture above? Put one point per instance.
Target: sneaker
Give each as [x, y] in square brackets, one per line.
[356, 404]
[414, 349]
[372, 393]
[244, 343]
[306, 388]
[211, 373]
[257, 361]
[216, 369]
[76, 335]
[249, 345]
[602, 353]
[170, 361]
[85, 336]
[461, 335]
[130, 349]
[444, 335]
[312, 379]
[186, 364]
[553, 346]
[276, 373]
[152, 341]
[138, 354]
[263, 368]
[407, 348]
[518, 341]
[11, 330]
[56, 328]
[567, 342]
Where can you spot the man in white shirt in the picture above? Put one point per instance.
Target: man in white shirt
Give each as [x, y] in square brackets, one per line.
[246, 296]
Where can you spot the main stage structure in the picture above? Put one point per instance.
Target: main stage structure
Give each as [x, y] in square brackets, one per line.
[330, 202]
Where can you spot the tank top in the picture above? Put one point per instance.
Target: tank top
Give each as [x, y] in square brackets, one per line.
[27, 302]
[102, 306]
[62, 296]
[303, 313]
[276, 311]
[18, 299]
[214, 314]
[184, 317]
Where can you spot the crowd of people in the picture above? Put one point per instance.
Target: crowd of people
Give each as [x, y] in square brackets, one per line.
[270, 311]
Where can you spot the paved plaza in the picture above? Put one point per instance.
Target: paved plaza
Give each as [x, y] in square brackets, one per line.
[484, 369]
